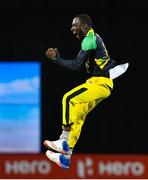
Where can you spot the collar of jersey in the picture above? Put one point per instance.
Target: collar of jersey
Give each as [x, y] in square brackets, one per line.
[90, 31]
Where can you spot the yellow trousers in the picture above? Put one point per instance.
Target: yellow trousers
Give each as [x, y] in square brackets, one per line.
[78, 102]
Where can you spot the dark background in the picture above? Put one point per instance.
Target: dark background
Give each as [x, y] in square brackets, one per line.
[119, 123]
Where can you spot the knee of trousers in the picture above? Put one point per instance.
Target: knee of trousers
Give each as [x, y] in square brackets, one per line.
[64, 98]
[67, 99]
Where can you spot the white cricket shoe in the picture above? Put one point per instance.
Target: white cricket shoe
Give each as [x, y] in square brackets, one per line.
[60, 146]
[60, 159]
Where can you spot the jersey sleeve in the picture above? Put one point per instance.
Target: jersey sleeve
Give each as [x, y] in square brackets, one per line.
[75, 64]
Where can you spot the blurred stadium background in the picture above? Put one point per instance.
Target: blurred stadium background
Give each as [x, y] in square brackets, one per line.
[113, 143]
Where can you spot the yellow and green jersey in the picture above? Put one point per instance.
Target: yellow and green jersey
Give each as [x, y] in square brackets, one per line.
[92, 58]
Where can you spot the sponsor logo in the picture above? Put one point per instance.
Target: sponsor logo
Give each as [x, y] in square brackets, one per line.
[27, 167]
[86, 168]
[119, 168]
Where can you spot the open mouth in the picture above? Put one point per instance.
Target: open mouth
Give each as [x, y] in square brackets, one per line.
[75, 33]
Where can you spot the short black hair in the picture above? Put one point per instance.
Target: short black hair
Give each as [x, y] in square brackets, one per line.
[86, 19]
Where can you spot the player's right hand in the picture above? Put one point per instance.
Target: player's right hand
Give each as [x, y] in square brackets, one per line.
[51, 53]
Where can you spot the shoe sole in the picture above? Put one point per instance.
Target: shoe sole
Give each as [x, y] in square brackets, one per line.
[53, 147]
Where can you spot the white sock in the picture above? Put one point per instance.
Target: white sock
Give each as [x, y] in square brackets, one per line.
[70, 151]
[68, 155]
[65, 135]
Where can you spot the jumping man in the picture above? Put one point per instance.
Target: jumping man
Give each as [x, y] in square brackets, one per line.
[94, 59]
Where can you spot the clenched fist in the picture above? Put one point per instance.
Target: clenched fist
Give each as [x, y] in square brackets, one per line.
[52, 53]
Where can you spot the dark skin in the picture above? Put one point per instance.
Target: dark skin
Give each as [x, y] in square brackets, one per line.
[80, 30]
